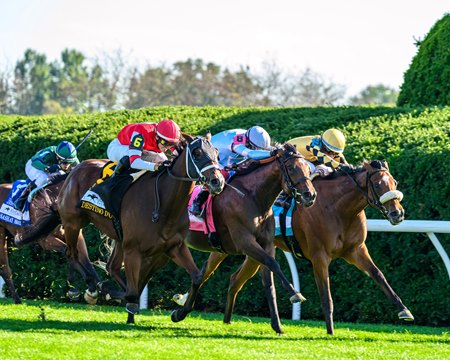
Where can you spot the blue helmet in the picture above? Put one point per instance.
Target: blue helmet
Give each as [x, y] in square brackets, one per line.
[66, 152]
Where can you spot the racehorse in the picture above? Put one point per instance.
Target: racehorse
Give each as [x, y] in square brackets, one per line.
[335, 227]
[243, 216]
[42, 204]
[148, 241]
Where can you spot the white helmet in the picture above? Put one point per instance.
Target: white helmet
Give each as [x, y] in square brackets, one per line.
[258, 138]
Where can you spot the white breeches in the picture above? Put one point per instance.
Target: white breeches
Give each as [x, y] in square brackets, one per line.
[39, 176]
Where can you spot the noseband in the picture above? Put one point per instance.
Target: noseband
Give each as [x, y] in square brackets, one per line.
[378, 201]
[287, 178]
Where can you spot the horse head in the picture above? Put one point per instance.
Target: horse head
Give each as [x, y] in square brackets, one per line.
[296, 175]
[201, 163]
[382, 192]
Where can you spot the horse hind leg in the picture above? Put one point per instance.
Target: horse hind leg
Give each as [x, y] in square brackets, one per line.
[362, 260]
[5, 270]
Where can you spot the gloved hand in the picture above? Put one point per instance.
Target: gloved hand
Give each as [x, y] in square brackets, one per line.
[274, 152]
[322, 170]
[54, 168]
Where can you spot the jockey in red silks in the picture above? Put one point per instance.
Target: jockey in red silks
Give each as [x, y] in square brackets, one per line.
[142, 146]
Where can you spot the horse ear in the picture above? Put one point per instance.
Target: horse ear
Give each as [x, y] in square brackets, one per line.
[187, 137]
[385, 164]
[208, 135]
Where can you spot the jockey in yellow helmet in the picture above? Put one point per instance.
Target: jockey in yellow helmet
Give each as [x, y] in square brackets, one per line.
[326, 151]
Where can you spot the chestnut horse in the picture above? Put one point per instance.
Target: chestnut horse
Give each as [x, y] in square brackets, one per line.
[148, 240]
[41, 205]
[335, 227]
[243, 216]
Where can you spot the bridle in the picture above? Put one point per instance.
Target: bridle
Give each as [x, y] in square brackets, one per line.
[195, 170]
[377, 201]
[287, 178]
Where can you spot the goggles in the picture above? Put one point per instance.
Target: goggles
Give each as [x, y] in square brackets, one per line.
[166, 143]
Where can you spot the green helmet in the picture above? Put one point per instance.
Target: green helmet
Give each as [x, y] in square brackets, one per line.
[66, 152]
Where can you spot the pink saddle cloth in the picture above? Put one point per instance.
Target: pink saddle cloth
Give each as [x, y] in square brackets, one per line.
[200, 223]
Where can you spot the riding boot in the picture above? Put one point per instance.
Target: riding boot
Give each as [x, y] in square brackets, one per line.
[18, 204]
[197, 203]
[122, 166]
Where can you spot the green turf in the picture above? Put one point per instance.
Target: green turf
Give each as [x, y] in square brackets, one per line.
[48, 330]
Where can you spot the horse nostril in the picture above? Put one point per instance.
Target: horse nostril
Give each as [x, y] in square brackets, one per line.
[215, 182]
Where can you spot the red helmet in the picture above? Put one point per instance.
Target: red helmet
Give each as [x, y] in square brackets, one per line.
[168, 130]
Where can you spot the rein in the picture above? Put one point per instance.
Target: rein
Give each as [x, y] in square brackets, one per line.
[189, 161]
[287, 178]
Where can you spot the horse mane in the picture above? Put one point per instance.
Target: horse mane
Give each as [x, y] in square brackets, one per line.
[377, 164]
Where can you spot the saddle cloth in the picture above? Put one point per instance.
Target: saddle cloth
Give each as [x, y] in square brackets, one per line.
[105, 196]
[11, 215]
[283, 218]
[206, 224]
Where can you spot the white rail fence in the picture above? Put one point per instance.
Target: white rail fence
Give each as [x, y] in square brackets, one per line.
[417, 226]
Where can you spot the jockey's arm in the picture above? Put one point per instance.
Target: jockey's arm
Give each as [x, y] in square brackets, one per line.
[249, 153]
[135, 153]
[324, 158]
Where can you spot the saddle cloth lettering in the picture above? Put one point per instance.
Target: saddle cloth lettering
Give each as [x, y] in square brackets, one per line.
[8, 213]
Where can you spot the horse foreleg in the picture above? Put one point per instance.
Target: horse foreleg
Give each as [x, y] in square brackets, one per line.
[320, 264]
[257, 253]
[5, 270]
[362, 260]
[213, 262]
[182, 257]
[132, 259]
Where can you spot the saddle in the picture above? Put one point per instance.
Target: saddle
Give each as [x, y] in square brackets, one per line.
[105, 196]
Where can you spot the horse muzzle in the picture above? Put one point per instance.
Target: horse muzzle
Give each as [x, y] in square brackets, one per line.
[396, 217]
[307, 198]
[216, 184]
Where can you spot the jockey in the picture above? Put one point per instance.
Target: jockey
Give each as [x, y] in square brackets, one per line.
[50, 161]
[142, 146]
[324, 153]
[235, 146]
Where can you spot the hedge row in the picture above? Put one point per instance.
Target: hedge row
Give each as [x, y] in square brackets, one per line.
[415, 142]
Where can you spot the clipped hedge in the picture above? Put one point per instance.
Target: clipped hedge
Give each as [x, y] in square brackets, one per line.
[427, 81]
[415, 143]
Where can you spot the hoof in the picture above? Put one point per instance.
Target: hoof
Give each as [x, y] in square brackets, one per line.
[180, 299]
[91, 298]
[132, 308]
[74, 295]
[405, 315]
[176, 317]
[298, 297]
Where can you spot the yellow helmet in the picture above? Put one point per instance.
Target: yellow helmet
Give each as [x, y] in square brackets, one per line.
[334, 140]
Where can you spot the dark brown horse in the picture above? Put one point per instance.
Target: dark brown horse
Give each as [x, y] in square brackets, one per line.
[148, 241]
[41, 205]
[244, 220]
[335, 227]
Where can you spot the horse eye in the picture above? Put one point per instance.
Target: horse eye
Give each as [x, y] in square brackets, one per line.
[197, 153]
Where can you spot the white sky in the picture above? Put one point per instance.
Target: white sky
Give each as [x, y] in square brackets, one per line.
[351, 42]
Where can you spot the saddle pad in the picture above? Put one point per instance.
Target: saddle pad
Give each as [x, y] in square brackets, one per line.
[201, 224]
[8, 213]
[105, 197]
[279, 210]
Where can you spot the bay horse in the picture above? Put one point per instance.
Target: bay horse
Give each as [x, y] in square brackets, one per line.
[149, 240]
[335, 227]
[43, 203]
[244, 221]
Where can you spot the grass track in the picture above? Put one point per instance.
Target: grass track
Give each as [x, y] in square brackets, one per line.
[84, 332]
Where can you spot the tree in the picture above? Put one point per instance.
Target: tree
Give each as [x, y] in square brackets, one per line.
[375, 95]
[427, 81]
[31, 83]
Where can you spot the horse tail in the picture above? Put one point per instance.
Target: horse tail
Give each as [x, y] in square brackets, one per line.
[43, 227]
